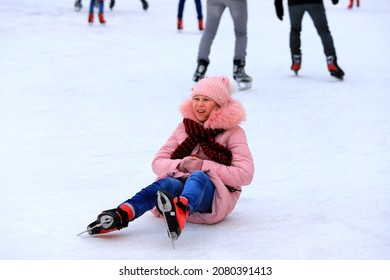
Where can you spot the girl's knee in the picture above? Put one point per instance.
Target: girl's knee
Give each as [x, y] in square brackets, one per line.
[171, 185]
[198, 173]
[199, 176]
[164, 181]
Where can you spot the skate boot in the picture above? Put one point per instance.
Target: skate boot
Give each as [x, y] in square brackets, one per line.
[350, 5]
[179, 24]
[78, 5]
[175, 212]
[145, 5]
[109, 220]
[112, 4]
[90, 18]
[101, 18]
[333, 68]
[296, 63]
[200, 24]
[243, 80]
[200, 71]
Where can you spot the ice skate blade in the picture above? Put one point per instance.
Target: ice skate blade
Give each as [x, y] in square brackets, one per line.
[339, 77]
[81, 233]
[166, 209]
[105, 222]
[244, 85]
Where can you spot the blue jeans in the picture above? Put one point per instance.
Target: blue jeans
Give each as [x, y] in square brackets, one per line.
[197, 189]
[198, 5]
[101, 6]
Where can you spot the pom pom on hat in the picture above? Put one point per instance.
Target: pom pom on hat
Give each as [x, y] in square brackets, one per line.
[218, 88]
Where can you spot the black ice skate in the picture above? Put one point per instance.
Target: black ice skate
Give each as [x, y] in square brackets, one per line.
[145, 5]
[175, 212]
[78, 5]
[333, 68]
[243, 80]
[112, 4]
[200, 71]
[296, 63]
[107, 221]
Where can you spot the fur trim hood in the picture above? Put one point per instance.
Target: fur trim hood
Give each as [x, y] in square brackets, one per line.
[229, 115]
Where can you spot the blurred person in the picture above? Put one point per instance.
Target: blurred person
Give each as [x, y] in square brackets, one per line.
[239, 12]
[78, 5]
[145, 4]
[100, 4]
[350, 4]
[316, 10]
[198, 5]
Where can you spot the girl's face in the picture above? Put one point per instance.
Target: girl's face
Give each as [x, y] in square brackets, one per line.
[202, 107]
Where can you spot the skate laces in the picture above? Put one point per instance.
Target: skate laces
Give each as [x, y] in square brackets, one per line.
[332, 64]
[296, 62]
[182, 212]
[238, 69]
[333, 67]
[239, 72]
[201, 69]
[124, 218]
[107, 221]
[182, 206]
[330, 59]
[297, 59]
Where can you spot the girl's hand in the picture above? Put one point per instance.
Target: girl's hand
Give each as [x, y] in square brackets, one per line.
[190, 164]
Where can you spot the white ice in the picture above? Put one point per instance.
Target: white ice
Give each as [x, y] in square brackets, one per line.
[83, 110]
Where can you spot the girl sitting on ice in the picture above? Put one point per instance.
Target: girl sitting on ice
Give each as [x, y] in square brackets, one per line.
[200, 169]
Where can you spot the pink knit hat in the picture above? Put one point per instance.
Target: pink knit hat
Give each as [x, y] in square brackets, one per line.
[218, 88]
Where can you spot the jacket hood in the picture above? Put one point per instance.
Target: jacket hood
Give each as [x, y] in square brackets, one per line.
[229, 115]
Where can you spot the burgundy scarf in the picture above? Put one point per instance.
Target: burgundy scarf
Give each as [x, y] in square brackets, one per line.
[197, 134]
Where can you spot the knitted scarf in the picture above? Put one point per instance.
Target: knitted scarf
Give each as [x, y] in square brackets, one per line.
[197, 134]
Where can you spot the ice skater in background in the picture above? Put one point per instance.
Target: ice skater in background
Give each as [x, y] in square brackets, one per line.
[198, 5]
[100, 14]
[200, 169]
[78, 5]
[144, 3]
[350, 5]
[239, 12]
[316, 10]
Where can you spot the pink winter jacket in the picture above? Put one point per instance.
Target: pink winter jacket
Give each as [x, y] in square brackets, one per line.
[238, 174]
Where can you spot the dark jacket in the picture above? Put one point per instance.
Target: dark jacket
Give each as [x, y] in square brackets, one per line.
[280, 10]
[300, 2]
